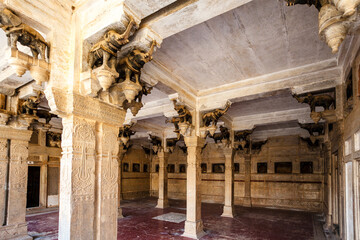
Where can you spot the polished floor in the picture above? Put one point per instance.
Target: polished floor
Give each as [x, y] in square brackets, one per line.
[249, 223]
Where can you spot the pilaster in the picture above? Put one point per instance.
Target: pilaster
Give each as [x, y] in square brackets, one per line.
[229, 183]
[163, 201]
[13, 182]
[193, 225]
[247, 197]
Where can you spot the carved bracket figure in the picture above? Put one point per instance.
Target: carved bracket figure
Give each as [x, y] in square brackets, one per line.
[29, 106]
[335, 19]
[223, 136]
[104, 52]
[156, 143]
[129, 67]
[243, 139]
[171, 143]
[324, 100]
[53, 139]
[314, 129]
[213, 116]
[17, 31]
[183, 121]
[257, 146]
[125, 133]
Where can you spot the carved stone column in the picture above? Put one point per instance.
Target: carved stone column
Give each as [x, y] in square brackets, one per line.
[229, 183]
[122, 152]
[163, 201]
[193, 224]
[327, 156]
[106, 189]
[44, 167]
[89, 165]
[247, 197]
[13, 181]
[77, 179]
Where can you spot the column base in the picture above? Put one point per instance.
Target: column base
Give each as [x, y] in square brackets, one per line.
[162, 203]
[228, 212]
[15, 232]
[247, 202]
[120, 215]
[194, 230]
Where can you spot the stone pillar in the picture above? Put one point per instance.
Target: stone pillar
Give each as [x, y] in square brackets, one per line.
[88, 179]
[44, 167]
[247, 197]
[327, 156]
[163, 201]
[13, 182]
[122, 152]
[193, 224]
[229, 183]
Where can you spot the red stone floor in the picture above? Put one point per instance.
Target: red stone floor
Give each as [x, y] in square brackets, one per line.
[249, 223]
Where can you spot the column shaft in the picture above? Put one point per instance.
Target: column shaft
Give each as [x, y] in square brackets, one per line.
[229, 183]
[163, 201]
[13, 181]
[247, 198]
[193, 224]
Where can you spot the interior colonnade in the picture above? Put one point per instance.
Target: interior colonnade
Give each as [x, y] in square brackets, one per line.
[95, 109]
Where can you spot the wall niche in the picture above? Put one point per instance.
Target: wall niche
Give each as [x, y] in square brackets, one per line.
[306, 167]
[262, 167]
[218, 168]
[283, 167]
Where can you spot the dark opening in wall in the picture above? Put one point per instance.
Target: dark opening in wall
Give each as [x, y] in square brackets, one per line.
[218, 168]
[283, 167]
[125, 167]
[262, 167]
[157, 168]
[331, 127]
[182, 168]
[236, 167]
[306, 167]
[33, 187]
[171, 168]
[136, 167]
[203, 168]
[146, 169]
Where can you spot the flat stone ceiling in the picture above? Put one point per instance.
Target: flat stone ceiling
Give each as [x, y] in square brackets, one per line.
[258, 38]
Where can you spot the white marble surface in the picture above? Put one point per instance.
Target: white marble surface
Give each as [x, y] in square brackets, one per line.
[171, 217]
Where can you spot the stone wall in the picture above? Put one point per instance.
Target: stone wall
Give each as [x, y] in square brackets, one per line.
[295, 190]
[135, 184]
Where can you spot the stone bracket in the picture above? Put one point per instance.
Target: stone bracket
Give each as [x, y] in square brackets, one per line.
[21, 62]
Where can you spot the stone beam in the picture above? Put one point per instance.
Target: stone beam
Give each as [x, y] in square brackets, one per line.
[248, 122]
[313, 77]
[184, 14]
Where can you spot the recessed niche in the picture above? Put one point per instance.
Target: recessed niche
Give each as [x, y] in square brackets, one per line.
[203, 168]
[306, 167]
[218, 168]
[125, 167]
[262, 167]
[157, 168]
[182, 168]
[146, 168]
[171, 168]
[136, 167]
[236, 167]
[283, 167]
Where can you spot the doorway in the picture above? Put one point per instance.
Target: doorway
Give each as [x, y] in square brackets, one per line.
[33, 187]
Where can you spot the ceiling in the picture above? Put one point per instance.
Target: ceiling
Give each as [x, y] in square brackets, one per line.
[258, 38]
